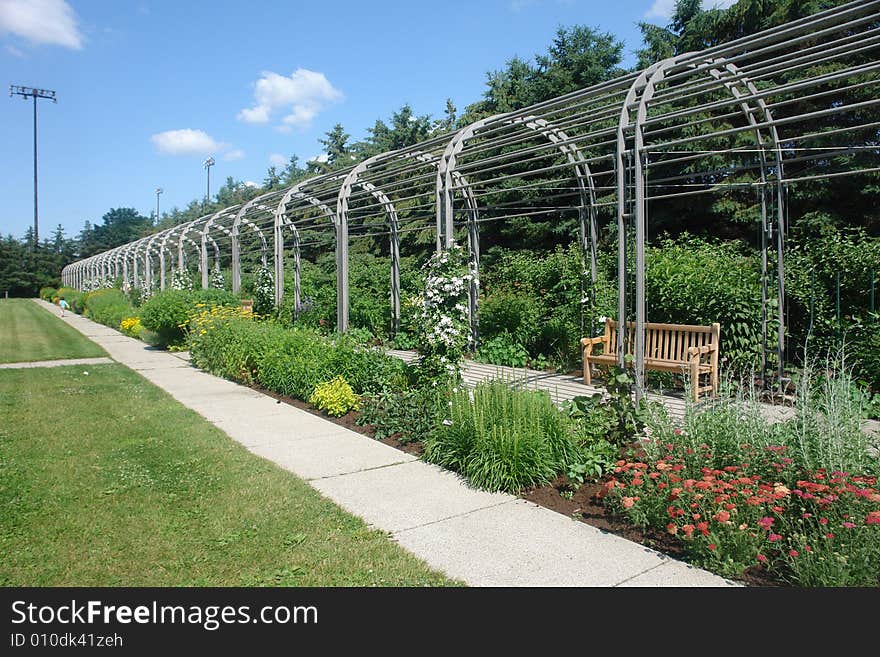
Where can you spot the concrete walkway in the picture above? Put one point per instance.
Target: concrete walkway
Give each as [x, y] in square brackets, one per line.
[101, 360]
[483, 539]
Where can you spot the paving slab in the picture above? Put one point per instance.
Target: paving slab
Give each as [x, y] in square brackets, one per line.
[405, 496]
[521, 544]
[674, 574]
[334, 453]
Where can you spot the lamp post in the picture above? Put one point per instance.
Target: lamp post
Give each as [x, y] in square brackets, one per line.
[208, 164]
[25, 92]
[159, 190]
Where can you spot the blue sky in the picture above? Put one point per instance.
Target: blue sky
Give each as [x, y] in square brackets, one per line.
[147, 89]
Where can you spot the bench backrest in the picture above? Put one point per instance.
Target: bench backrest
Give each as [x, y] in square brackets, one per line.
[664, 341]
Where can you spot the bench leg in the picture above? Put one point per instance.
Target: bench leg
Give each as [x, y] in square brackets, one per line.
[588, 374]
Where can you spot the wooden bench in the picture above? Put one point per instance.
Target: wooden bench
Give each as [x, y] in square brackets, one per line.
[680, 348]
[247, 305]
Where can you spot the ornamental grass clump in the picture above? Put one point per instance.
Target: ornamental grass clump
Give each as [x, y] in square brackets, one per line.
[503, 439]
[334, 397]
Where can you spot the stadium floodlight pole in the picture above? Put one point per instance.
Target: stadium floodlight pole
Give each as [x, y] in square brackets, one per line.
[208, 164]
[25, 92]
[159, 190]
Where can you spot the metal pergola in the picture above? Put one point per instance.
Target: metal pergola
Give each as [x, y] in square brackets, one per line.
[752, 116]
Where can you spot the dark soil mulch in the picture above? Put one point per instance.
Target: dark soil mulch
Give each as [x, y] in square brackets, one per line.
[584, 504]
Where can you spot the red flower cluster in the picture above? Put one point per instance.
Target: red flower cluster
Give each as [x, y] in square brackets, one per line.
[734, 511]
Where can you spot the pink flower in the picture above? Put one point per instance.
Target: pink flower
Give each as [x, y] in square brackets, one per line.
[829, 535]
[722, 516]
[762, 558]
[849, 525]
[711, 546]
[793, 553]
[765, 523]
[873, 518]
[774, 537]
[628, 502]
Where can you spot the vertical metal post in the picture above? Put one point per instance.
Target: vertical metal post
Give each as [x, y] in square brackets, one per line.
[203, 260]
[395, 273]
[236, 261]
[297, 276]
[36, 213]
[780, 272]
[765, 273]
[278, 260]
[342, 270]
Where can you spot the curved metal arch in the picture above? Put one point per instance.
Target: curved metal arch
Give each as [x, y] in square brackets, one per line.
[643, 89]
[205, 237]
[184, 229]
[587, 214]
[281, 219]
[236, 245]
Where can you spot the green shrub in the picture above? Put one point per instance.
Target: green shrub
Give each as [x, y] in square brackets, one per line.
[168, 312]
[47, 293]
[502, 350]
[503, 439]
[232, 344]
[108, 306]
[335, 397]
[690, 281]
[407, 413]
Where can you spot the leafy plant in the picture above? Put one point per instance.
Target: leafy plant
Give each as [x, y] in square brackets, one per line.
[405, 413]
[335, 397]
[502, 350]
[596, 459]
[614, 416]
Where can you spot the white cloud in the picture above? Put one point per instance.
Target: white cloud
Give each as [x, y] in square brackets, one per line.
[50, 22]
[302, 95]
[665, 8]
[234, 154]
[661, 9]
[251, 183]
[186, 142]
[15, 52]
[277, 160]
[321, 157]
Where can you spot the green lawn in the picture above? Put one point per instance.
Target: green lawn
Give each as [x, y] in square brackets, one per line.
[105, 480]
[29, 333]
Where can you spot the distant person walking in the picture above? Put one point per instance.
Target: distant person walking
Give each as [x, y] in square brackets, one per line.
[64, 305]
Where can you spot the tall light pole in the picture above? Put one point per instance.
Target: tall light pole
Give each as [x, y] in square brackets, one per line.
[208, 164]
[158, 192]
[25, 92]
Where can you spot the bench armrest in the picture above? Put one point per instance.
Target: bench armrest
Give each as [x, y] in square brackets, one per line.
[700, 351]
[587, 344]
